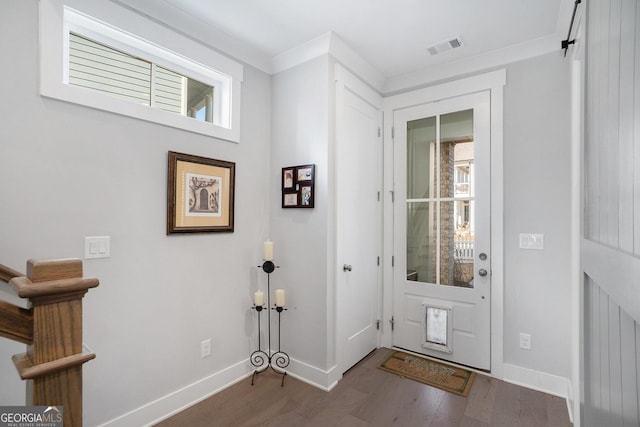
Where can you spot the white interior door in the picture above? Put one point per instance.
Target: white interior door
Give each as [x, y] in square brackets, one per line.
[442, 277]
[358, 221]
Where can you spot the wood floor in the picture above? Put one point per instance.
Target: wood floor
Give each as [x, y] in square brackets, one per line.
[367, 396]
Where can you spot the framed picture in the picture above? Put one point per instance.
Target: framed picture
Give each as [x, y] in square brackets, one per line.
[298, 186]
[288, 179]
[200, 194]
[289, 200]
[305, 173]
[306, 196]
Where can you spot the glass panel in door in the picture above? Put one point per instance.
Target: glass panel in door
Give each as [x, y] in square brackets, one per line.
[440, 199]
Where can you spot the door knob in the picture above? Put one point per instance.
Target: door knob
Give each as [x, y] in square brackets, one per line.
[482, 256]
[482, 272]
[346, 267]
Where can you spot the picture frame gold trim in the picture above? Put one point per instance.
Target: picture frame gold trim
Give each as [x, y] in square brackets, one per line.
[200, 194]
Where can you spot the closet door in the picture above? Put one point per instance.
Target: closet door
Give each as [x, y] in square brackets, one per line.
[358, 160]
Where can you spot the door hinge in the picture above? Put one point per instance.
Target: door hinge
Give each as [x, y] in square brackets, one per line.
[393, 260]
[378, 260]
[378, 196]
[393, 322]
[393, 196]
[378, 324]
[379, 132]
[393, 132]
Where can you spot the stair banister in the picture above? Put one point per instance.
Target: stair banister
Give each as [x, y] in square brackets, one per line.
[52, 330]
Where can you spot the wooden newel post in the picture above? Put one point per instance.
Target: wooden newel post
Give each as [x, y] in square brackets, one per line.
[53, 361]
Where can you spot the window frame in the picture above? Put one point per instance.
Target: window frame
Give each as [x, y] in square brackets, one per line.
[137, 36]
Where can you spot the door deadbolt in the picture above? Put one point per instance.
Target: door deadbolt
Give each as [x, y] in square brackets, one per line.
[482, 256]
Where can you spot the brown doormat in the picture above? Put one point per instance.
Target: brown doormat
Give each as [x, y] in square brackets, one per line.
[436, 374]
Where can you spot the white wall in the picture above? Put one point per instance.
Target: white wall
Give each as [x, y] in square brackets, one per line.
[301, 134]
[69, 172]
[537, 199]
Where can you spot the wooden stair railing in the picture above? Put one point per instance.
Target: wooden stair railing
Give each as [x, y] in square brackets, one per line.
[52, 330]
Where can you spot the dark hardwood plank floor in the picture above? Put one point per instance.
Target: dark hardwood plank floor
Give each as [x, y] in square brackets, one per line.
[367, 396]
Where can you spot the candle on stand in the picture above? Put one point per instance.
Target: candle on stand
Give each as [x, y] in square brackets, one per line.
[258, 298]
[279, 297]
[268, 250]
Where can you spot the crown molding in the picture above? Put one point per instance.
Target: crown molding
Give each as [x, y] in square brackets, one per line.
[328, 43]
[177, 20]
[474, 64]
[300, 54]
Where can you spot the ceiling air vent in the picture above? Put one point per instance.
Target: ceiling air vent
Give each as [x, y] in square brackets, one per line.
[445, 45]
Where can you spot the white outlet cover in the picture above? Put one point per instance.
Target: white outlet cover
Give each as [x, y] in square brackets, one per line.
[205, 348]
[525, 341]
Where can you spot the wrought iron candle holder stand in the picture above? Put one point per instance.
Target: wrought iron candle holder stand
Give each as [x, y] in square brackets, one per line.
[261, 359]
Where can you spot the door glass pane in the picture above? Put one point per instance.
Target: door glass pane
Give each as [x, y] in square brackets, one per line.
[440, 199]
[421, 167]
[463, 244]
[446, 243]
[458, 127]
[421, 242]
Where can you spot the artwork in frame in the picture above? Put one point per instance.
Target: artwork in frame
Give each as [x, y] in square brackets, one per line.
[289, 200]
[298, 184]
[200, 194]
[306, 196]
[304, 173]
[287, 178]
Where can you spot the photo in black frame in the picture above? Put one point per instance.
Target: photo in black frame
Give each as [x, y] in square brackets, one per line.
[298, 186]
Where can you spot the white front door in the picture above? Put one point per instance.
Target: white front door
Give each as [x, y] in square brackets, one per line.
[442, 278]
[358, 221]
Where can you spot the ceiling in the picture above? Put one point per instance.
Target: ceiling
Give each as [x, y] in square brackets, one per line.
[390, 35]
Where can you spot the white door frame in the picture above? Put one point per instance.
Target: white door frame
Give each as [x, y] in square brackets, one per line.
[494, 82]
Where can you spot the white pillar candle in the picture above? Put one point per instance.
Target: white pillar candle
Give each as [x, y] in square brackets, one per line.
[268, 250]
[279, 297]
[258, 298]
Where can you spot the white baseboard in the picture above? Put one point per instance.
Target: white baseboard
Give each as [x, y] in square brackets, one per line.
[324, 380]
[537, 380]
[571, 403]
[540, 381]
[174, 402]
[181, 399]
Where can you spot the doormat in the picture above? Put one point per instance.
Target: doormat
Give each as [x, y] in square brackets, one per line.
[446, 377]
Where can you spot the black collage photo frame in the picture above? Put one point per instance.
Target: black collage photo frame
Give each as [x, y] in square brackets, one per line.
[298, 186]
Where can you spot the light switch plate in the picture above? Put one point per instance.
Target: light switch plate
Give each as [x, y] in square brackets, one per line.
[532, 241]
[97, 247]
